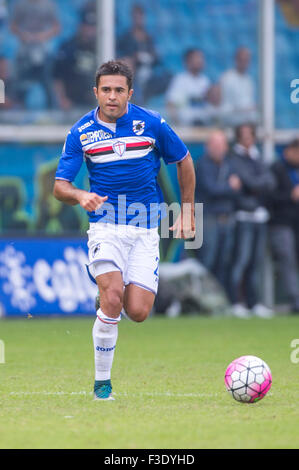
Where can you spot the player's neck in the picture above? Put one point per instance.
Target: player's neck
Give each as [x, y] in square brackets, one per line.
[103, 117]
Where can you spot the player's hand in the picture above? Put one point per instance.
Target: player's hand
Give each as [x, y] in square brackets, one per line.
[235, 182]
[91, 201]
[184, 226]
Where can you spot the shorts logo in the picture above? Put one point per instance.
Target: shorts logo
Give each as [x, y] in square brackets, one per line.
[138, 127]
[97, 248]
[119, 147]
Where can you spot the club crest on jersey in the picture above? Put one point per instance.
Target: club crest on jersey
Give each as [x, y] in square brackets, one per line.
[138, 127]
[119, 147]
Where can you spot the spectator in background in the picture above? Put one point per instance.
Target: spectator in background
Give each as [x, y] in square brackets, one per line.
[217, 187]
[238, 92]
[35, 23]
[75, 63]
[6, 76]
[211, 111]
[284, 221]
[138, 45]
[251, 224]
[52, 216]
[3, 19]
[89, 9]
[187, 91]
[13, 216]
[138, 95]
[3, 12]
[290, 10]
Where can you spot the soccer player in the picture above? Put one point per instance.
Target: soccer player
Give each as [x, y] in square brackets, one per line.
[122, 145]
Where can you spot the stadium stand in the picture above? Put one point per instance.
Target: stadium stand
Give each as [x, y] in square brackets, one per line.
[232, 23]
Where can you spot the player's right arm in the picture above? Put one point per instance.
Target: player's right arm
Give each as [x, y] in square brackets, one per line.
[69, 165]
[65, 192]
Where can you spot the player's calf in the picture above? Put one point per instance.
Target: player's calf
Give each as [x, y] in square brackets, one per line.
[138, 302]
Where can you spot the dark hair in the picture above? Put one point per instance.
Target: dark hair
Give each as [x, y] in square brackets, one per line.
[238, 130]
[189, 52]
[138, 8]
[115, 67]
[294, 144]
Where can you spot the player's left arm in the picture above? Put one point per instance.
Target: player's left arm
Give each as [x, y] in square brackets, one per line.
[184, 226]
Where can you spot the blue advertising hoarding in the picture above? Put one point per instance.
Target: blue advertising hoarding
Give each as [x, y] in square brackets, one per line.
[45, 276]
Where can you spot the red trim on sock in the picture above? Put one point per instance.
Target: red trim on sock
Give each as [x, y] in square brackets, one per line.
[107, 322]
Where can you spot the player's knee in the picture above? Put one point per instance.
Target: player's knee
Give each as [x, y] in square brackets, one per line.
[113, 299]
[138, 314]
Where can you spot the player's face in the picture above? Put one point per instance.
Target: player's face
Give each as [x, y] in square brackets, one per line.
[195, 62]
[113, 95]
[292, 156]
[247, 138]
[217, 146]
[242, 60]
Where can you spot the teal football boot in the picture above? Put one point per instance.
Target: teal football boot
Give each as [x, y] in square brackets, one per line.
[103, 390]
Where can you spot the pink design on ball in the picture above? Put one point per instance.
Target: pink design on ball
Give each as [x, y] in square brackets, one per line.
[248, 379]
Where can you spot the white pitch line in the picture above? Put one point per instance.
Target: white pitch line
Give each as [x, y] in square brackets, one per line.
[124, 394]
[168, 394]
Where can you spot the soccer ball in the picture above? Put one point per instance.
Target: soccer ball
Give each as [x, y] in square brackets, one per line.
[248, 379]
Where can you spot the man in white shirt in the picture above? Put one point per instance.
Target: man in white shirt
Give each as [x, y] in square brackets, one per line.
[187, 91]
[238, 92]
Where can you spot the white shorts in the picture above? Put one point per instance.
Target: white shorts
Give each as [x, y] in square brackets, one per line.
[134, 251]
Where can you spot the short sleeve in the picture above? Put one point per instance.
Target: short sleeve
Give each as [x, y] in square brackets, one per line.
[71, 159]
[171, 148]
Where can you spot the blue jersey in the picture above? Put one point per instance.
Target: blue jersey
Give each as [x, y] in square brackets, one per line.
[124, 164]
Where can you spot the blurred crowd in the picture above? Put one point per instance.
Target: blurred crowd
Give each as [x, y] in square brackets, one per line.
[63, 80]
[37, 78]
[246, 205]
[193, 100]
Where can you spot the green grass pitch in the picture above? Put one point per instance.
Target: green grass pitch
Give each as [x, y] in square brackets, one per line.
[167, 379]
